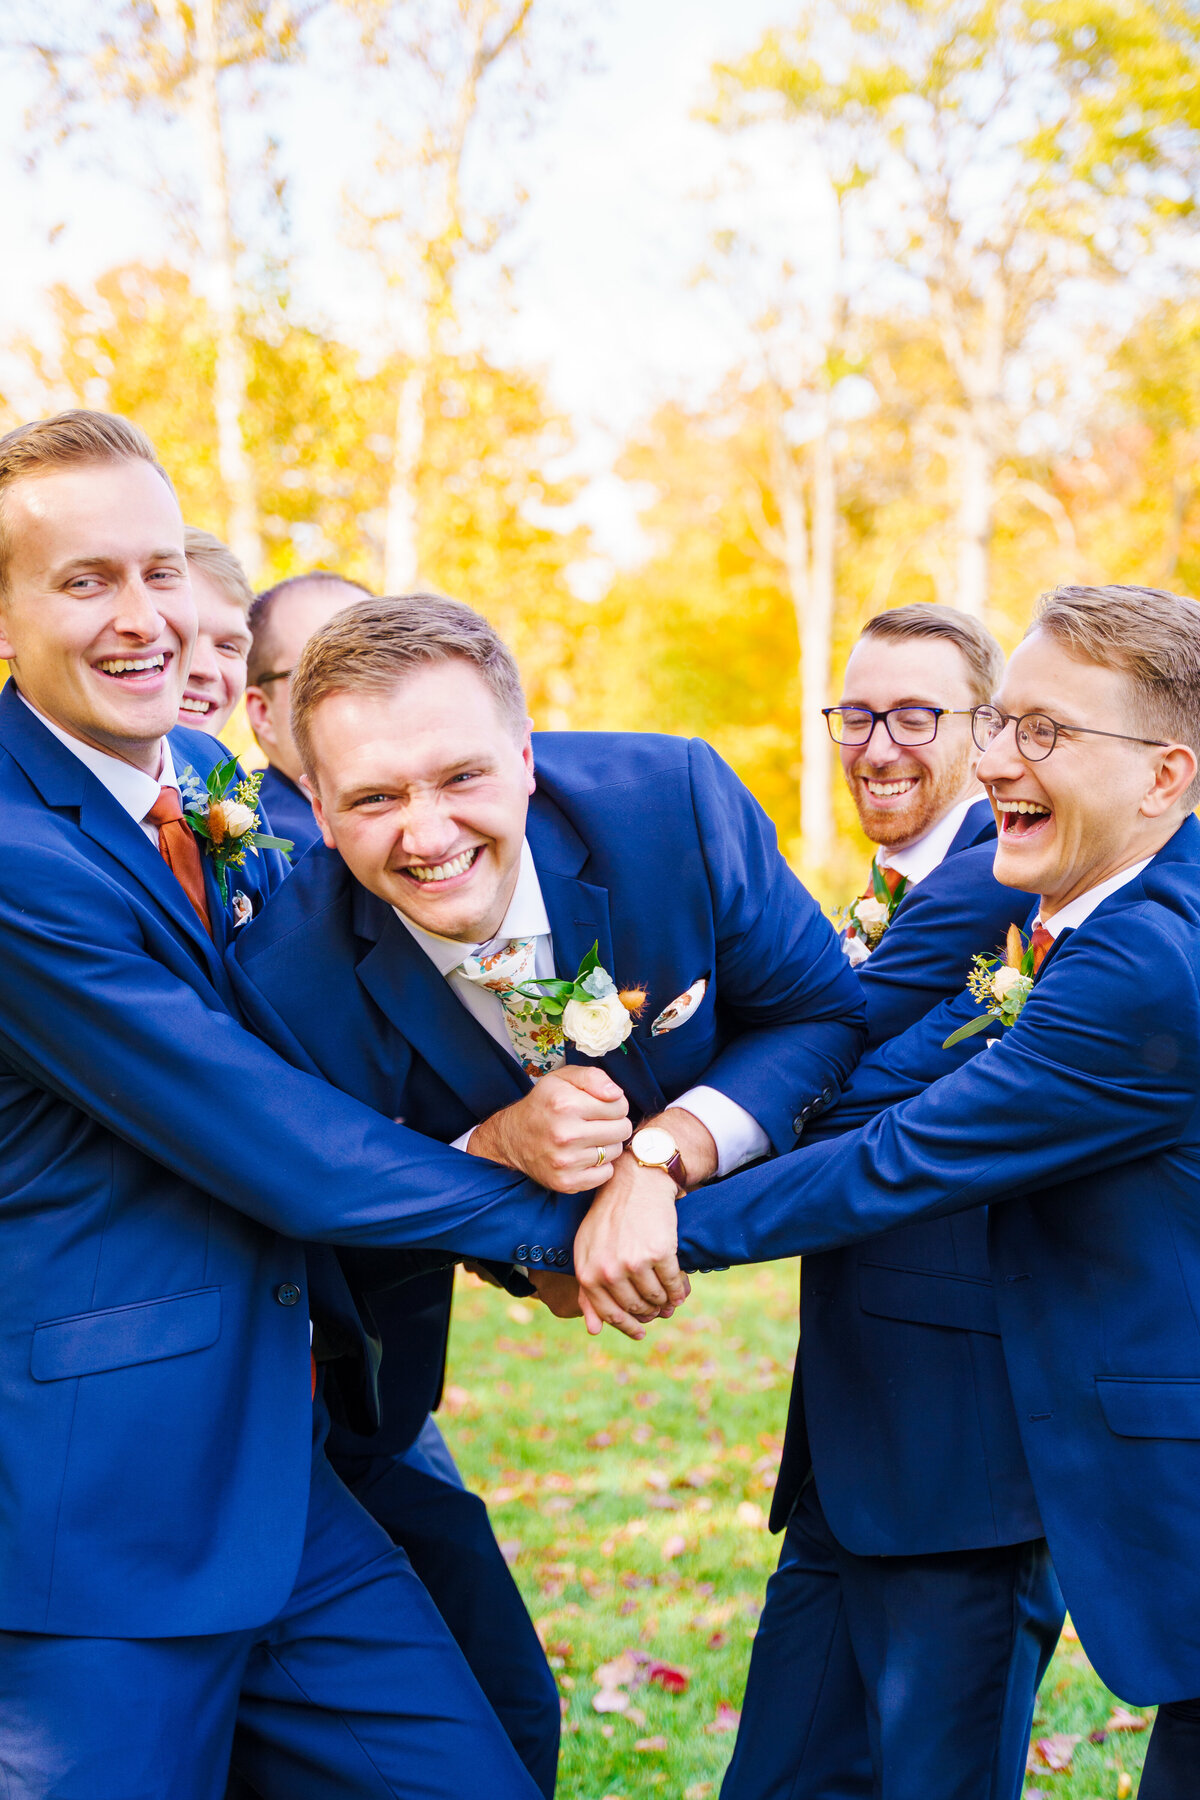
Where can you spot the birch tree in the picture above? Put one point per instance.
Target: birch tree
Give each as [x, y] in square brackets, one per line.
[1001, 140]
[173, 61]
[433, 207]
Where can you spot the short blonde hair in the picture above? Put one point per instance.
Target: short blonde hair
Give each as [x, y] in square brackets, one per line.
[68, 440]
[220, 565]
[1149, 636]
[979, 650]
[371, 646]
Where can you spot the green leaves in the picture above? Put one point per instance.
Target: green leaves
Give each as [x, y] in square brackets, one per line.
[967, 1031]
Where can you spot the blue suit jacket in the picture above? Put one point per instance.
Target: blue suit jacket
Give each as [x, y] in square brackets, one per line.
[154, 1358]
[288, 811]
[1081, 1129]
[649, 846]
[901, 1391]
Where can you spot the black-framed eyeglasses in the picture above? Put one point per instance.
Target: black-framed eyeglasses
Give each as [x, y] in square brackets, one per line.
[275, 675]
[1037, 733]
[903, 724]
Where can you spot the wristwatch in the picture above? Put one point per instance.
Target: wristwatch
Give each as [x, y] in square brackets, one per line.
[653, 1147]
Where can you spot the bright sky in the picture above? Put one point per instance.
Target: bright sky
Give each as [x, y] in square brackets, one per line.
[616, 225]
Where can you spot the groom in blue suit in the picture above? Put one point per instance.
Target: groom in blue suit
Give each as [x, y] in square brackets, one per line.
[180, 1571]
[901, 1643]
[406, 711]
[1073, 1115]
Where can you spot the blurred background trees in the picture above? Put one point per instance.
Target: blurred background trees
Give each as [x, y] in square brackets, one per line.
[966, 367]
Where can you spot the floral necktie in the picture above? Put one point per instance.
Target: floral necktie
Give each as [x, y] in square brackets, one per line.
[536, 1039]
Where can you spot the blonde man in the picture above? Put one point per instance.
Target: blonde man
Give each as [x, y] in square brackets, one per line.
[216, 677]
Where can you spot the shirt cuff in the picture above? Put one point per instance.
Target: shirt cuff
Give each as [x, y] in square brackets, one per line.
[460, 1143]
[737, 1134]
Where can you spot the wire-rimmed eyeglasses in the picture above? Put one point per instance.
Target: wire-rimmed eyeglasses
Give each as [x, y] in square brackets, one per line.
[853, 725]
[1037, 733]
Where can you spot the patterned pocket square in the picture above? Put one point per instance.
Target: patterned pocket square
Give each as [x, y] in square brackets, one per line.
[680, 1009]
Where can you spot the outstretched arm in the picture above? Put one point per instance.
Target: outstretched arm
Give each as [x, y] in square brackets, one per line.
[1100, 1068]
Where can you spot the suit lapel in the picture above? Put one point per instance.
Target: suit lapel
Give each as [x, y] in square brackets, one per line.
[579, 917]
[424, 1009]
[64, 782]
[977, 827]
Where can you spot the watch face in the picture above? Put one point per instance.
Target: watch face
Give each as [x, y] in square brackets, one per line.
[653, 1145]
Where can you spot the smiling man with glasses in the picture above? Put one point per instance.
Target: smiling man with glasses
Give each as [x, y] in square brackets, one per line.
[903, 1637]
[1077, 1127]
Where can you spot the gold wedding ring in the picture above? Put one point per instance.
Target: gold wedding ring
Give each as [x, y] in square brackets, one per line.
[599, 1155]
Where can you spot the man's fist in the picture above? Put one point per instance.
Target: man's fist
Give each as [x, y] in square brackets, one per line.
[625, 1253]
[555, 1134]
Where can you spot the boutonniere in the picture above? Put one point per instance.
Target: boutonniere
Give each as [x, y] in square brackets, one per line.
[1001, 983]
[589, 1012]
[223, 813]
[866, 919]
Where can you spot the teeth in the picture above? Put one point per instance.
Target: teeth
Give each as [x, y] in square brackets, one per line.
[1034, 807]
[126, 665]
[197, 706]
[458, 865]
[883, 788]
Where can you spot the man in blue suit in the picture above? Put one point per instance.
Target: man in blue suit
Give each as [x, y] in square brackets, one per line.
[282, 619]
[1075, 1119]
[404, 711]
[901, 1644]
[177, 1561]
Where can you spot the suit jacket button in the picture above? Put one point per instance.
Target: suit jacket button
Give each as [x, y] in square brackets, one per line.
[521, 1253]
[536, 1253]
[287, 1293]
[798, 1124]
[827, 1095]
[561, 1258]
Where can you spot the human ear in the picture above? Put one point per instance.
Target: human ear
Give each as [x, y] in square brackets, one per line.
[1174, 771]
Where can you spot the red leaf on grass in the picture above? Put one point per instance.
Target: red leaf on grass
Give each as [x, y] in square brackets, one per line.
[727, 1718]
[668, 1677]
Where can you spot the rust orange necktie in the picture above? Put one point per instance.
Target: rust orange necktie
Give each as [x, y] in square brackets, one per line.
[180, 851]
[892, 879]
[1040, 941]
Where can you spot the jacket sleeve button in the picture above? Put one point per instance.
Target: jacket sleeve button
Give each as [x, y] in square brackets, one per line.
[287, 1293]
[536, 1253]
[521, 1253]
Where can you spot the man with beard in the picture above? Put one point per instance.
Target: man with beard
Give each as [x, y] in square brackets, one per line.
[914, 1607]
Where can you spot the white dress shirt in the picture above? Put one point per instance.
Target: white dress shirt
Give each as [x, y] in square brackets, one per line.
[737, 1134]
[1086, 904]
[132, 789]
[917, 860]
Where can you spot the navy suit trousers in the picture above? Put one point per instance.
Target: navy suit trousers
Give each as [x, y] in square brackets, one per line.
[355, 1691]
[421, 1502]
[894, 1677]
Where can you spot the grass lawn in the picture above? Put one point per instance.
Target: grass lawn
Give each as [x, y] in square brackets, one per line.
[629, 1485]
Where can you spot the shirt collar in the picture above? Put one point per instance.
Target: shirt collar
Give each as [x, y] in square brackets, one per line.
[1083, 908]
[917, 860]
[132, 789]
[526, 918]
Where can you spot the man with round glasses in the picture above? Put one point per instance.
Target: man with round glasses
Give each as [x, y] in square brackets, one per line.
[912, 1537]
[1072, 1117]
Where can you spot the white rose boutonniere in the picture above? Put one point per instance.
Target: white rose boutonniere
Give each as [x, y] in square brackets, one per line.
[866, 919]
[588, 1012]
[223, 813]
[1002, 984]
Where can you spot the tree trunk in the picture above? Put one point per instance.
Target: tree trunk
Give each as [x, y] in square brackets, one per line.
[816, 798]
[400, 559]
[237, 473]
[976, 475]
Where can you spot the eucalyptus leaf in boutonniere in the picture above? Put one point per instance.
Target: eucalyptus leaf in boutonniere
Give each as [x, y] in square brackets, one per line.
[866, 919]
[1002, 984]
[588, 1012]
[223, 813]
